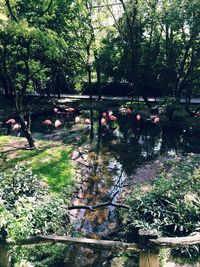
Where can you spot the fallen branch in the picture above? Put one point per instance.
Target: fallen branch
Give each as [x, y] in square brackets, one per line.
[116, 245]
[171, 242]
[100, 205]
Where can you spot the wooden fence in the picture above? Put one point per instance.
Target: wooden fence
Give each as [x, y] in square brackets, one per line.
[148, 246]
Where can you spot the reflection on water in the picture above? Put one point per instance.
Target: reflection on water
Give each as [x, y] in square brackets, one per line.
[104, 182]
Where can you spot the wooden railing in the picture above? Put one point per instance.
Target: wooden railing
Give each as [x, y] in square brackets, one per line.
[148, 246]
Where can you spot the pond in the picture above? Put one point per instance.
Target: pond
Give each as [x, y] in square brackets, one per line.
[119, 148]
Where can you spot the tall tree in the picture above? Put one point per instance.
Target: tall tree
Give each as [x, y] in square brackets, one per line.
[157, 44]
[28, 46]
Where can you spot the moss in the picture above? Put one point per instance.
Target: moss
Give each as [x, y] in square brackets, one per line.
[50, 161]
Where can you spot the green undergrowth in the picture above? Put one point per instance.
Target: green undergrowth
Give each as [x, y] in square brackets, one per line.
[50, 161]
[35, 189]
[171, 205]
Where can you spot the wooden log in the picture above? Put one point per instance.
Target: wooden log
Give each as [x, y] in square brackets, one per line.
[150, 256]
[149, 259]
[171, 242]
[4, 257]
[146, 235]
[106, 244]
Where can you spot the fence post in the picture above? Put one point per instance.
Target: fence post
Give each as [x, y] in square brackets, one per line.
[4, 256]
[148, 258]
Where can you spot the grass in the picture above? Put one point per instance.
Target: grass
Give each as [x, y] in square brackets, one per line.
[50, 161]
[54, 166]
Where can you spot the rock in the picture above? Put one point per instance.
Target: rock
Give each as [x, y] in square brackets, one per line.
[75, 155]
[84, 157]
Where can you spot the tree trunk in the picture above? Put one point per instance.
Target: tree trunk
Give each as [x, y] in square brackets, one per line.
[24, 125]
[91, 110]
[26, 131]
[99, 129]
[4, 257]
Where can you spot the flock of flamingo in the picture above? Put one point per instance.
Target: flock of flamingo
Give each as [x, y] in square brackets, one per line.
[106, 117]
[70, 112]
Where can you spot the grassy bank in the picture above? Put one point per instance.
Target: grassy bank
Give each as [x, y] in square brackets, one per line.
[50, 161]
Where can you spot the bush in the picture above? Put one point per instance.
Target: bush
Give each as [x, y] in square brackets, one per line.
[172, 206]
[27, 208]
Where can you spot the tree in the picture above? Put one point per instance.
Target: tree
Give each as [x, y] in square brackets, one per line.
[157, 46]
[87, 25]
[29, 45]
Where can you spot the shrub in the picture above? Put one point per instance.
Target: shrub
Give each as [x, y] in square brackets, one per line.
[27, 207]
[172, 206]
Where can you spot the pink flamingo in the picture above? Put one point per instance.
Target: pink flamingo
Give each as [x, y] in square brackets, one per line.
[70, 110]
[110, 113]
[58, 123]
[112, 118]
[11, 121]
[128, 111]
[103, 121]
[138, 117]
[16, 127]
[47, 123]
[77, 120]
[56, 110]
[156, 120]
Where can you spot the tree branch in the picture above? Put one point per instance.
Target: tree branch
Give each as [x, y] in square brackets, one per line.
[100, 205]
[115, 245]
[47, 9]
[11, 11]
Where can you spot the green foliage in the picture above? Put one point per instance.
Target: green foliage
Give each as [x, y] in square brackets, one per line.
[27, 208]
[41, 256]
[170, 104]
[172, 206]
[154, 47]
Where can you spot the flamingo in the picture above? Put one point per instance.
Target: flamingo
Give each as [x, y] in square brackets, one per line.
[11, 121]
[110, 113]
[128, 111]
[156, 120]
[47, 122]
[56, 110]
[103, 121]
[112, 118]
[122, 111]
[70, 110]
[16, 127]
[77, 120]
[138, 117]
[58, 123]
[87, 121]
